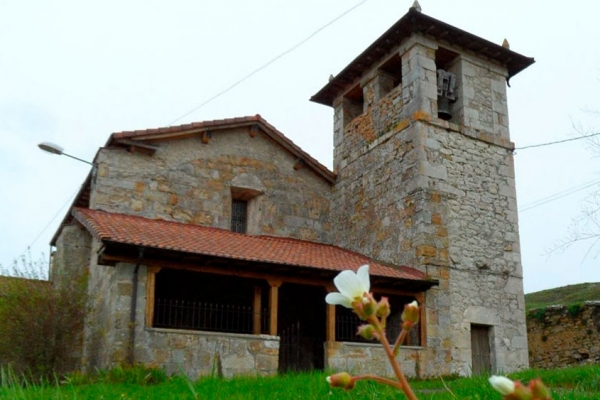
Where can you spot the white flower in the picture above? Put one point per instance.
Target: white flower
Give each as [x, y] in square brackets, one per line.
[351, 286]
[502, 384]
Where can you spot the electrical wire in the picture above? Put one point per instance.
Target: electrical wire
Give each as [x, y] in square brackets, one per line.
[558, 195]
[557, 142]
[269, 63]
[69, 200]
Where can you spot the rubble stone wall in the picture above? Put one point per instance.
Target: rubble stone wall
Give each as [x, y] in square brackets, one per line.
[189, 181]
[416, 190]
[560, 336]
[366, 358]
[207, 353]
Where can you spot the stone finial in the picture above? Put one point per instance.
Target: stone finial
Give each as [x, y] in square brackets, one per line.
[416, 6]
[505, 44]
[330, 78]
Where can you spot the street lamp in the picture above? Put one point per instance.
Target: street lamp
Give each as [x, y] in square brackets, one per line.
[56, 149]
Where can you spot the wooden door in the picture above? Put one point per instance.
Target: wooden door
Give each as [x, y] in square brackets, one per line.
[480, 349]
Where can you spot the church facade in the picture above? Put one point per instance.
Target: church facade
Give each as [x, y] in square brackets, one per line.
[211, 246]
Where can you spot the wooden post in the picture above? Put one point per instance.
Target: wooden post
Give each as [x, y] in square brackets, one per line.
[273, 305]
[330, 317]
[256, 325]
[150, 288]
[330, 325]
[422, 318]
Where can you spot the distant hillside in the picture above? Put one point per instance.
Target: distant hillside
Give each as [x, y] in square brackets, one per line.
[565, 295]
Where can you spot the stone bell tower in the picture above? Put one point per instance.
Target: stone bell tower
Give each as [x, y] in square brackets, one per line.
[426, 179]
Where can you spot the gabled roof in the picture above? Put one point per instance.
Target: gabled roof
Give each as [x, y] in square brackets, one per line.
[140, 138]
[416, 22]
[197, 128]
[194, 239]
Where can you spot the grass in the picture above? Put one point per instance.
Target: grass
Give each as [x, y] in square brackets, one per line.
[138, 383]
[566, 295]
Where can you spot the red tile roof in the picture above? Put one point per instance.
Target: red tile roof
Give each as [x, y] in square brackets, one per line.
[195, 239]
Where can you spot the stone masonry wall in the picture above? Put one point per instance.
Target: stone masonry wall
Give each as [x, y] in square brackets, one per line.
[109, 335]
[366, 358]
[207, 353]
[440, 196]
[107, 331]
[560, 336]
[72, 256]
[192, 182]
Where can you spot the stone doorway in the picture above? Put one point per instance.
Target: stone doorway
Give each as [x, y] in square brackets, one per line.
[301, 327]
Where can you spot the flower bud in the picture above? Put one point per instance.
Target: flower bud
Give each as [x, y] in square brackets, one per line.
[367, 331]
[369, 305]
[410, 315]
[521, 392]
[342, 380]
[502, 384]
[359, 309]
[383, 308]
[539, 390]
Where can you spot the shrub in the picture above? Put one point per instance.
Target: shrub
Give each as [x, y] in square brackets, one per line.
[575, 309]
[40, 323]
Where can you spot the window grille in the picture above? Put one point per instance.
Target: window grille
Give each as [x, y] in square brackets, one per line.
[204, 316]
[239, 216]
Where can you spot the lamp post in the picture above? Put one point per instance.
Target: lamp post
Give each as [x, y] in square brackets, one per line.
[56, 149]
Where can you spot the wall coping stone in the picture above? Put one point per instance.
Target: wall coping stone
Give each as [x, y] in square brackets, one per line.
[209, 333]
[361, 344]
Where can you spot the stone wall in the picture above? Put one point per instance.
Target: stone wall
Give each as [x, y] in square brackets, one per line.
[109, 340]
[367, 358]
[560, 336]
[207, 353]
[72, 256]
[107, 330]
[192, 182]
[440, 196]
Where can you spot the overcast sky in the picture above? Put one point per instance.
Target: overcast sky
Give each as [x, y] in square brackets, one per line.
[73, 72]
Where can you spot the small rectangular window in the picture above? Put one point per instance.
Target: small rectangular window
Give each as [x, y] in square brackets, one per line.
[239, 216]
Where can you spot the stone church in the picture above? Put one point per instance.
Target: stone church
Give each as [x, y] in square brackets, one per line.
[210, 246]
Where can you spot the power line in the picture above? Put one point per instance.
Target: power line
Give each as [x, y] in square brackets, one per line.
[69, 200]
[268, 63]
[558, 195]
[558, 141]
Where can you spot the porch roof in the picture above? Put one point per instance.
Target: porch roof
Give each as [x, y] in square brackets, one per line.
[195, 239]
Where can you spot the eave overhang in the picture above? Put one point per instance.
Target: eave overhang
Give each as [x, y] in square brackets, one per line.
[411, 23]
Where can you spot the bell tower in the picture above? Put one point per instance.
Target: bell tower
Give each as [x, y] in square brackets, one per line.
[426, 179]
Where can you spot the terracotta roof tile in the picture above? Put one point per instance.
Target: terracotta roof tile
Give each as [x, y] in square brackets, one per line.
[195, 239]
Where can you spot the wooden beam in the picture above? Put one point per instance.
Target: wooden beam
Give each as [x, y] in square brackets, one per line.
[256, 308]
[195, 267]
[150, 290]
[298, 164]
[420, 297]
[273, 305]
[254, 129]
[133, 145]
[205, 136]
[330, 324]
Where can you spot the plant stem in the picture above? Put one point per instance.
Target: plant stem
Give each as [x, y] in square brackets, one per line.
[395, 366]
[399, 341]
[379, 379]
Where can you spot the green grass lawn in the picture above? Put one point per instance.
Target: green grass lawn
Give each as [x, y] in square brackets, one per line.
[567, 383]
[565, 295]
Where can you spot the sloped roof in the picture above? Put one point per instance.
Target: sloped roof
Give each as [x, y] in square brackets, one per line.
[221, 124]
[416, 22]
[194, 239]
[177, 131]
